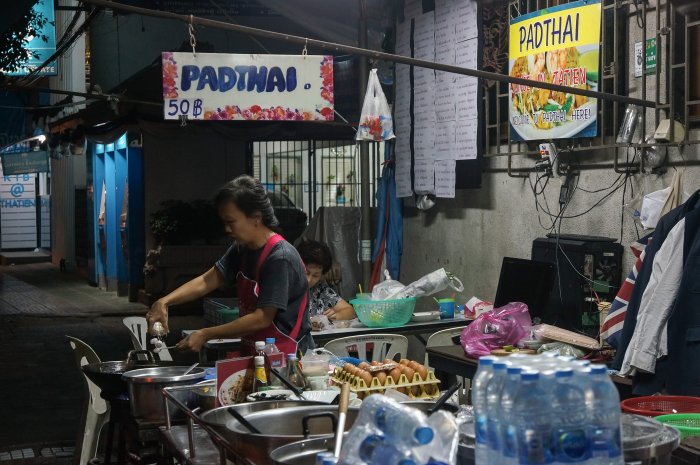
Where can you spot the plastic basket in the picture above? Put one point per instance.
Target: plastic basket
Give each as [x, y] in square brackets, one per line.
[384, 313]
[688, 424]
[653, 406]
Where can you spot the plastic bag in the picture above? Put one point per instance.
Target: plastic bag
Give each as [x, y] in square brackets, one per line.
[388, 287]
[320, 323]
[375, 121]
[497, 328]
[429, 284]
[651, 207]
[560, 348]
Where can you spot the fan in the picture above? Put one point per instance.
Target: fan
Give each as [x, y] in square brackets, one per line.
[605, 271]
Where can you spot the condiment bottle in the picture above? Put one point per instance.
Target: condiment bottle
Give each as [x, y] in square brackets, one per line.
[294, 374]
[260, 382]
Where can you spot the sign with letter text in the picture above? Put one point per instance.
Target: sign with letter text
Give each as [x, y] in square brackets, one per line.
[217, 86]
[39, 49]
[558, 45]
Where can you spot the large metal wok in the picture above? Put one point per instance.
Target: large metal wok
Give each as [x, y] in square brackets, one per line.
[108, 375]
[278, 426]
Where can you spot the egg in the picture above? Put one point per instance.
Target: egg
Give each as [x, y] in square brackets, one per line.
[381, 377]
[395, 374]
[348, 366]
[366, 376]
[422, 372]
[374, 363]
[363, 365]
[388, 360]
[409, 372]
[404, 361]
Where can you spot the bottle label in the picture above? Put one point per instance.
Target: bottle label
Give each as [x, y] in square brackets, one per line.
[534, 447]
[493, 435]
[510, 442]
[260, 376]
[571, 445]
[481, 429]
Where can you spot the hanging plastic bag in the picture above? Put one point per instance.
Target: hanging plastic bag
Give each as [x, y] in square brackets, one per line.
[497, 328]
[651, 207]
[375, 121]
[388, 287]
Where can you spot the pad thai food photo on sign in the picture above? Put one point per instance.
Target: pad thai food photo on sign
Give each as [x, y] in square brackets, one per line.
[558, 45]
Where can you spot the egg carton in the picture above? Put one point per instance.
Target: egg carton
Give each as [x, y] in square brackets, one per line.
[427, 388]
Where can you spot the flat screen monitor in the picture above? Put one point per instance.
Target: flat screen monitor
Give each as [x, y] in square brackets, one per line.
[526, 281]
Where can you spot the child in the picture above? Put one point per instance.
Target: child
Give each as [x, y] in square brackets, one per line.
[323, 300]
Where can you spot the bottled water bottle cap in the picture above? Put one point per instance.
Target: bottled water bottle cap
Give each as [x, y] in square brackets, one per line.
[530, 375]
[500, 365]
[269, 340]
[582, 363]
[406, 462]
[599, 369]
[487, 360]
[259, 345]
[514, 370]
[424, 435]
[565, 373]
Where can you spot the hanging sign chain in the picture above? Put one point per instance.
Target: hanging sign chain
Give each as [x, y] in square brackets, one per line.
[304, 52]
[193, 39]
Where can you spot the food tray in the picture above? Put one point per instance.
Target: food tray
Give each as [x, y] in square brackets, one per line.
[426, 389]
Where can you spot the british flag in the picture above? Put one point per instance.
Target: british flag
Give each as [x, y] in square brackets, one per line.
[611, 330]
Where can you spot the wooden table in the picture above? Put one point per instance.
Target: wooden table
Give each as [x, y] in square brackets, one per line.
[453, 360]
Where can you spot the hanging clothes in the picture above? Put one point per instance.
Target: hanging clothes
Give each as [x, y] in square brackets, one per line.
[663, 228]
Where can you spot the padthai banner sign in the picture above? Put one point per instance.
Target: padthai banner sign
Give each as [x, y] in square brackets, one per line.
[217, 86]
[558, 45]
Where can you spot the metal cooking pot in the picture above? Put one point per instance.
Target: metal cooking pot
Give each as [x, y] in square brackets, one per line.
[279, 426]
[646, 441]
[108, 375]
[145, 390]
[206, 395]
[302, 452]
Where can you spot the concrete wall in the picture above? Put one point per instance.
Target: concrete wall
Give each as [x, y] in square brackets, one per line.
[471, 234]
[187, 167]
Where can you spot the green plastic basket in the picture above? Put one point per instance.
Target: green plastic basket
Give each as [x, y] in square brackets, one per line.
[384, 313]
[687, 423]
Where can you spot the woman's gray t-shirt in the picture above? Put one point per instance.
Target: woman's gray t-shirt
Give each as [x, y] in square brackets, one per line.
[282, 284]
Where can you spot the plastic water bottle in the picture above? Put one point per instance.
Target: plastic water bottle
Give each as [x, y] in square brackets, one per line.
[532, 421]
[379, 450]
[509, 442]
[493, 400]
[401, 425]
[271, 349]
[321, 456]
[603, 408]
[479, 385]
[570, 441]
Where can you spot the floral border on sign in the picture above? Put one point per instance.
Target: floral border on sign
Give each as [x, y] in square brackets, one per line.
[257, 113]
[169, 76]
[327, 78]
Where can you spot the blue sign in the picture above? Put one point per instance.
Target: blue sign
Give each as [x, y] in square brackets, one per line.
[41, 49]
[23, 163]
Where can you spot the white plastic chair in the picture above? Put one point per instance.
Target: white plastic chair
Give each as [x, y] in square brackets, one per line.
[446, 337]
[97, 409]
[370, 347]
[138, 326]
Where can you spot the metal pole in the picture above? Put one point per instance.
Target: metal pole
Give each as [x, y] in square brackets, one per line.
[369, 53]
[366, 230]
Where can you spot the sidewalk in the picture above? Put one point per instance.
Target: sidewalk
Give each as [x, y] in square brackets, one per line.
[43, 393]
[40, 289]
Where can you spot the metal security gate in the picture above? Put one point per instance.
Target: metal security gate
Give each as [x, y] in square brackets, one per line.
[306, 175]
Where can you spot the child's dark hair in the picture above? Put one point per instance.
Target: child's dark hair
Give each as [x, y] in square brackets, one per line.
[315, 253]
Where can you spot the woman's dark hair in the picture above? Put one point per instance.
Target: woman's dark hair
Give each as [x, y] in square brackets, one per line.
[250, 196]
[315, 253]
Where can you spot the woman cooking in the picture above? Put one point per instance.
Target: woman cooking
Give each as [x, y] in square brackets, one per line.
[269, 276]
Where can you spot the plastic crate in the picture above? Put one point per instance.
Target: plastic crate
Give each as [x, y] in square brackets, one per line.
[213, 308]
[653, 406]
[384, 313]
[688, 424]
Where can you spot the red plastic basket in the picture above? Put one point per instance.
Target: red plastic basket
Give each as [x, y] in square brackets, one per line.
[653, 406]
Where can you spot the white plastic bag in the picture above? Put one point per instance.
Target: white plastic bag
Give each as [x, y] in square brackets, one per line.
[429, 284]
[388, 287]
[375, 121]
[651, 207]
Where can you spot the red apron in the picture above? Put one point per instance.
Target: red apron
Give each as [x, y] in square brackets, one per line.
[248, 291]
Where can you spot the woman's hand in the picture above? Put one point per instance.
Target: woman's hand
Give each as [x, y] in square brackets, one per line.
[331, 314]
[158, 314]
[193, 342]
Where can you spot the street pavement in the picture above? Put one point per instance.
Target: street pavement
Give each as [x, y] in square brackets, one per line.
[43, 393]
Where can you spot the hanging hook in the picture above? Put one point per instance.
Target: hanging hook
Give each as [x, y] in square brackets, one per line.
[193, 39]
[304, 52]
[183, 121]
